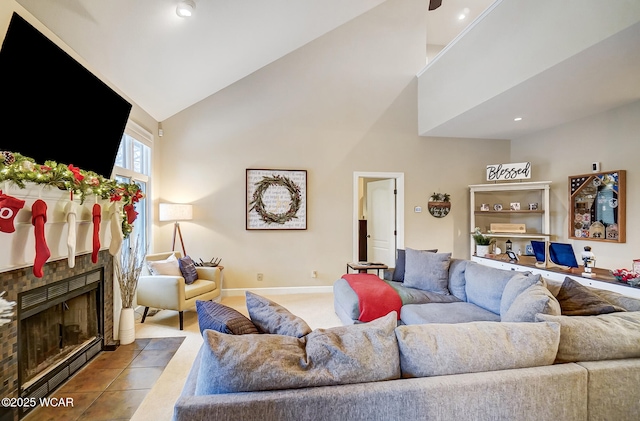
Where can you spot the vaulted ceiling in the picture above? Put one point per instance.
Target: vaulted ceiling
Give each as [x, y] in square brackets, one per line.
[166, 63]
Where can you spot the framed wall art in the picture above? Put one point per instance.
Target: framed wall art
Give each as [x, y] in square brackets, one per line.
[276, 199]
[597, 206]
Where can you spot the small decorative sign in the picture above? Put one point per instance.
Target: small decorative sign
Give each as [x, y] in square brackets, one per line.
[439, 204]
[500, 172]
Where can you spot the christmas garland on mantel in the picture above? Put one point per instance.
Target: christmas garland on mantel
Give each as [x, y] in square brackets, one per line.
[20, 170]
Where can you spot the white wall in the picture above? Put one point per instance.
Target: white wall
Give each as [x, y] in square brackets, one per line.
[610, 138]
[345, 102]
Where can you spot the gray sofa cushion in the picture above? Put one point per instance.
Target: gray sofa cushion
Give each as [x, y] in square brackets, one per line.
[398, 270]
[516, 286]
[536, 299]
[458, 312]
[427, 271]
[457, 282]
[437, 349]
[484, 285]
[358, 353]
[624, 301]
[271, 317]
[593, 338]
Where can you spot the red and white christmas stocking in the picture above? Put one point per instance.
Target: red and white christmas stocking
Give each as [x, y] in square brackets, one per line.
[72, 215]
[97, 216]
[38, 219]
[9, 207]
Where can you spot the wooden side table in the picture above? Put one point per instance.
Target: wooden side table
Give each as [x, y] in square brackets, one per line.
[363, 267]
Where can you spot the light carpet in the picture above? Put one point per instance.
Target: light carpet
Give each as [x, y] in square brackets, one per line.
[316, 309]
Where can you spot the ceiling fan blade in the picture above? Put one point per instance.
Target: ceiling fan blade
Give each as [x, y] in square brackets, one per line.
[434, 4]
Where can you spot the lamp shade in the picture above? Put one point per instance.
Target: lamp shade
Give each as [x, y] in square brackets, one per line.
[175, 212]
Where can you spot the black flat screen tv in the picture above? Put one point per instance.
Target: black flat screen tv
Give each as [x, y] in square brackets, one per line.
[54, 108]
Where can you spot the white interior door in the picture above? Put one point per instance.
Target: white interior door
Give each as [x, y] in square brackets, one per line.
[381, 217]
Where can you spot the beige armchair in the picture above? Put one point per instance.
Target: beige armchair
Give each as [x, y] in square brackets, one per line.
[170, 292]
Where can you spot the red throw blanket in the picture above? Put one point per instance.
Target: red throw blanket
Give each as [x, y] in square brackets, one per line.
[376, 298]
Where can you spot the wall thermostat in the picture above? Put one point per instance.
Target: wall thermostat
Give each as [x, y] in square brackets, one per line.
[595, 166]
[417, 209]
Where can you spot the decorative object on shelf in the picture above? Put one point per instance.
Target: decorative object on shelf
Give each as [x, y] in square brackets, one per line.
[127, 268]
[6, 309]
[276, 199]
[484, 207]
[597, 206]
[508, 245]
[439, 204]
[589, 260]
[514, 206]
[503, 172]
[528, 250]
[513, 258]
[483, 242]
[19, 170]
[497, 207]
[508, 228]
[533, 206]
[176, 212]
[627, 276]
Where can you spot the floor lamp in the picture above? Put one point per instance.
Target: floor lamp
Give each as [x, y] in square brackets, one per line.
[176, 212]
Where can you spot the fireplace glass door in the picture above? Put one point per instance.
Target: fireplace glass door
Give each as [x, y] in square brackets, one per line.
[53, 334]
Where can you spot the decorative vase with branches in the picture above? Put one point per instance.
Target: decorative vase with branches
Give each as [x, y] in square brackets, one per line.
[127, 269]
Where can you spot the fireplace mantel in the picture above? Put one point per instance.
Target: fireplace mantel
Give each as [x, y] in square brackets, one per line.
[17, 249]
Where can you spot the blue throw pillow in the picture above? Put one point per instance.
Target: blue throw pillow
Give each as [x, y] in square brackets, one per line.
[218, 317]
[188, 269]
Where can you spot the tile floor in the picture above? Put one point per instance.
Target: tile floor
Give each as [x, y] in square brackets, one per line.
[113, 384]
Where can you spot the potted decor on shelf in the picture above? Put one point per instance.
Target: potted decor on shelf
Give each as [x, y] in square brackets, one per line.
[127, 271]
[483, 242]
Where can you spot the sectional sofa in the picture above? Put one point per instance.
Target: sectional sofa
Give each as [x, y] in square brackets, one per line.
[555, 367]
[464, 291]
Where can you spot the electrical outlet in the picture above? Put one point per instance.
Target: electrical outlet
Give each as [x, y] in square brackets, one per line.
[260, 276]
[314, 273]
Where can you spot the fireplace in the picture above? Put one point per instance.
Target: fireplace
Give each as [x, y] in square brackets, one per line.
[69, 314]
[60, 329]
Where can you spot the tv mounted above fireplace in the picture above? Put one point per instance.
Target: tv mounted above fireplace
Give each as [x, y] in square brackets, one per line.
[54, 108]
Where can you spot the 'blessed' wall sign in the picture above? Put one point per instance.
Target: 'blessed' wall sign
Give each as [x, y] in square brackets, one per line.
[499, 172]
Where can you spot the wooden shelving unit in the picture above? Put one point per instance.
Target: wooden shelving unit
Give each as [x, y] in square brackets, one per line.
[537, 221]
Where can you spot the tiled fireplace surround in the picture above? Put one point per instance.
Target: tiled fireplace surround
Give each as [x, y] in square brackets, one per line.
[20, 280]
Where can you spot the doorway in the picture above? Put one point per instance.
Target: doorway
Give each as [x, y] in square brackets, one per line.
[384, 215]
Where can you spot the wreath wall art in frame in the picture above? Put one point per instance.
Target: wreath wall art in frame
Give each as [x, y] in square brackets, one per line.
[276, 199]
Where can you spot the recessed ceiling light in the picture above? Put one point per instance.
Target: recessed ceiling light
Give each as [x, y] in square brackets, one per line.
[185, 8]
[463, 14]
[517, 119]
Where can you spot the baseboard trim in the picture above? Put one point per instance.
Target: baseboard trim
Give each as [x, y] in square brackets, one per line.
[235, 292]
